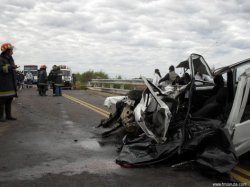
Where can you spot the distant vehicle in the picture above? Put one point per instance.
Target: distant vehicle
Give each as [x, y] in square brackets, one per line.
[66, 76]
[33, 69]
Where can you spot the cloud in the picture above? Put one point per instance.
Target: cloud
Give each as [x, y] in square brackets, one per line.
[122, 37]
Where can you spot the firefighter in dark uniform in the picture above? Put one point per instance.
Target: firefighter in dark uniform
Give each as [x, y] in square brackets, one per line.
[42, 80]
[52, 78]
[58, 82]
[8, 89]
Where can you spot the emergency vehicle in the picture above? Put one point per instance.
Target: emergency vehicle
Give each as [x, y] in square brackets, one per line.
[66, 76]
[33, 69]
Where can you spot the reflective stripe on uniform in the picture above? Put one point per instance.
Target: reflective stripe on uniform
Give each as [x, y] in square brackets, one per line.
[6, 68]
[7, 93]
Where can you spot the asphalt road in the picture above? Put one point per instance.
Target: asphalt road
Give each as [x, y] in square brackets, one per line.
[54, 142]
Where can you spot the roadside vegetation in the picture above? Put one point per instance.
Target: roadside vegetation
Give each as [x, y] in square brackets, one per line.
[84, 78]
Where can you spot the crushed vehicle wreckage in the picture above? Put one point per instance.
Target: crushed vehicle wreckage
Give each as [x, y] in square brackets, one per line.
[206, 123]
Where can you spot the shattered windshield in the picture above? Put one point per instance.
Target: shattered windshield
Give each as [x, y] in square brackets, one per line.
[199, 65]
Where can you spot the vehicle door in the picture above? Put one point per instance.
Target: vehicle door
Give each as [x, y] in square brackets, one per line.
[238, 122]
[201, 88]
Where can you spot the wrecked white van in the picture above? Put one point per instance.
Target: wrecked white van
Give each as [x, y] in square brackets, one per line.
[226, 99]
[207, 122]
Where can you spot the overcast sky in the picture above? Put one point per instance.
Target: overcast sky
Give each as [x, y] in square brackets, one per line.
[122, 37]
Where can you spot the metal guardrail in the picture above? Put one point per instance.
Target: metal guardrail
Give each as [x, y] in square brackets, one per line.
[116, 86]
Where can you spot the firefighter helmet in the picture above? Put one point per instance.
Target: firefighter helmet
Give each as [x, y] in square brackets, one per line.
[6, 46]
[43, 67]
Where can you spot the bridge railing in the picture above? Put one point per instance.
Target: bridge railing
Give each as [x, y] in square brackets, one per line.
[116, 86]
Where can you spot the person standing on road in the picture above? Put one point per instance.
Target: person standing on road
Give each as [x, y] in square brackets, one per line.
[20, 79]
[74, 80]
[52, 78]
[8, 89]
[157, 77]
[42, 81]
[170, 77]
[58, 82]
[29, 78]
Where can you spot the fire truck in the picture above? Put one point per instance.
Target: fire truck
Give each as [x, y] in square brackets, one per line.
[66, 76]
[32, 69]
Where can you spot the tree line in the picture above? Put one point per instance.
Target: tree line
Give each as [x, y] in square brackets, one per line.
[83, 78]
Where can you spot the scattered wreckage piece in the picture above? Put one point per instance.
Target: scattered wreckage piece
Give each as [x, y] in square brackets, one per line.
[153, 114]
[123, 116]
[109, 101]
[208, 144]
